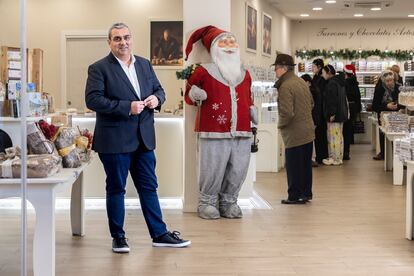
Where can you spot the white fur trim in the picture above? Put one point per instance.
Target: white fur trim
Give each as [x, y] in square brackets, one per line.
[225, 135]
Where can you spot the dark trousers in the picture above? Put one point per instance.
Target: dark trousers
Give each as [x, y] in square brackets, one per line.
[299, 171]
[321, 142]
[141, 165]
[348, 133]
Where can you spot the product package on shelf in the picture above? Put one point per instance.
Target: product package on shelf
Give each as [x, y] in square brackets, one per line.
[406, 96]
[369, 92]
[37, 105]
[409, 66]
[395, 122]
[301, 67]
[38, 166]
[265, 99]
[260, 73]
[65, 142]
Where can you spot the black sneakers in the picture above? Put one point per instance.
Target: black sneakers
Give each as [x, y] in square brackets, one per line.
[120, 245]
[297, 201]
[170, 240]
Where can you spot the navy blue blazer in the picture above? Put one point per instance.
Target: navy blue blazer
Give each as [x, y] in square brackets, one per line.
[109, 93]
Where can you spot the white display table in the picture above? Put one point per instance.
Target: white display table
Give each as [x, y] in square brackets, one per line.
[391, 159]
[374, 134]
[409, 220]
[271, 154]
[41, 192]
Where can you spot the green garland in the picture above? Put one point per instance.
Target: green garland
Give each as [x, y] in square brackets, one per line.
[347, 54]
[186, 73]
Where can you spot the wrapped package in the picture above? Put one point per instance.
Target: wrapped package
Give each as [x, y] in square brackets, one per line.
[48, 130]
[36, 140]
[65, 142]
[82, 143]
[38, 166]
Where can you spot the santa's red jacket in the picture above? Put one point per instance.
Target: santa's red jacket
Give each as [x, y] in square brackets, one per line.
[226, 111]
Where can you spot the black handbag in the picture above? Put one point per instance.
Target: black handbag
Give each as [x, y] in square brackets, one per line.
[359, 126]
[5, 141]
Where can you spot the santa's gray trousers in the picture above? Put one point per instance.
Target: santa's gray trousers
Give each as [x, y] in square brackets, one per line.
[223, 165]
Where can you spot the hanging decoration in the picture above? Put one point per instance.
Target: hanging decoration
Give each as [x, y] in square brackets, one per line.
[348, 54]
[186, 73]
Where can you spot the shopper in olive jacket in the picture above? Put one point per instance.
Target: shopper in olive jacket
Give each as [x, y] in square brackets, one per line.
[336, 113]
[295, 105]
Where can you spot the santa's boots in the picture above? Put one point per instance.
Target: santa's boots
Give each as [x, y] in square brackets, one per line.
[228, 206]
[231, 211]
[207, 207]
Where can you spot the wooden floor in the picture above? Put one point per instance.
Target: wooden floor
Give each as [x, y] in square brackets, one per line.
[354, 226]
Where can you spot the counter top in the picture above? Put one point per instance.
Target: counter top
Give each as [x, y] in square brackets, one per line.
[80, 116]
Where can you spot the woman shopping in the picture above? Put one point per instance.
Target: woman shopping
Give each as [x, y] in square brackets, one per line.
[335, 113]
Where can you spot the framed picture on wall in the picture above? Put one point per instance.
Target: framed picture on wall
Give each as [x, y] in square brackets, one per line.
[266, 35]
[251, 28]
[166, 44]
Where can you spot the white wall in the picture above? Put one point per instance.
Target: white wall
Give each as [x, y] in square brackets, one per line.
[379, 33]
[281, 39]
[47, 18]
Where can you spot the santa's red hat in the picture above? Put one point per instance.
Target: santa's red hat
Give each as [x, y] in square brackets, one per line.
[207, 35]
[350, 69]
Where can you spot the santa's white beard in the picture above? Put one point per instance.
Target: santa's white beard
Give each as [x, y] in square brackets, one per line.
[228, 64]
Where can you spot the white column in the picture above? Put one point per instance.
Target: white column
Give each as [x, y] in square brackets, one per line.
[409, 201]
[196, 14]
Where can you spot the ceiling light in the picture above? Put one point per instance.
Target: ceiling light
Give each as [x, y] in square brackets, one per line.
[330, 2]
[358, 15]
[317, 9]
[411, 15]
[304, 15]
[375, 9]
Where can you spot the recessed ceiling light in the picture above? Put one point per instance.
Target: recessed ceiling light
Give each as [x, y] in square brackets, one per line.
[317, 9]
[304, 15]
[411, 15]
[330, 2]
[358, 15]
[375, 9]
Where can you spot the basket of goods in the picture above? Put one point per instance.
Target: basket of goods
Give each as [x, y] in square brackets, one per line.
[65, 142]
[38, 166]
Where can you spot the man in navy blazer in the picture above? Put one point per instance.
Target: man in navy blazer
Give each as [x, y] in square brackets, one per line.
[124, 91]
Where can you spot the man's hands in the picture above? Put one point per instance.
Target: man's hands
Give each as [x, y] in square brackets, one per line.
[138, 106]
[151, 102]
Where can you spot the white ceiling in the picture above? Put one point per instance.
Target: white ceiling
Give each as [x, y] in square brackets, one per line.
[293, 9]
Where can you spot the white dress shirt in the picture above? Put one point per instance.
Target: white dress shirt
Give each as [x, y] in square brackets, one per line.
[131, 74]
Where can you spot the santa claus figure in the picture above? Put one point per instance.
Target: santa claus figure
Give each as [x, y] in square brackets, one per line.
[221, 90]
